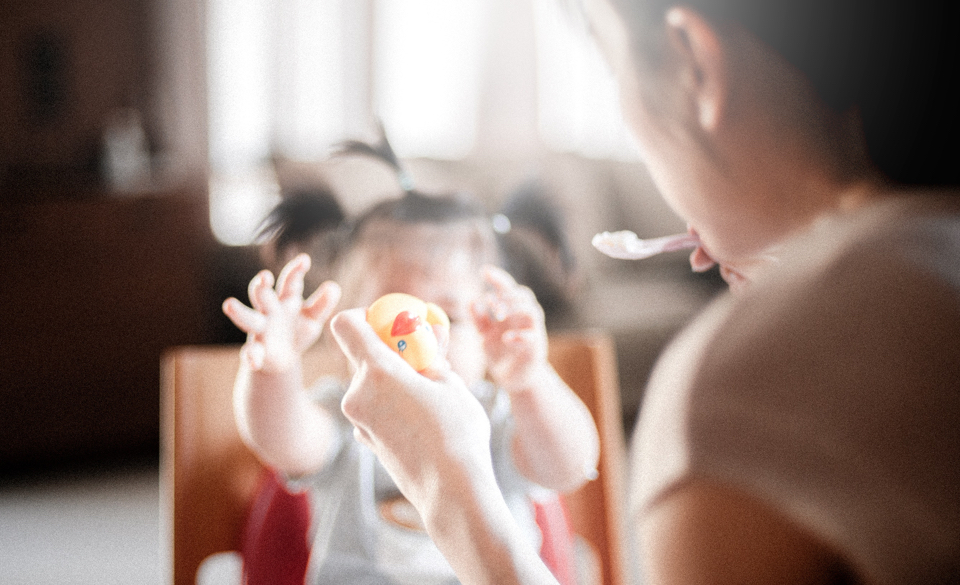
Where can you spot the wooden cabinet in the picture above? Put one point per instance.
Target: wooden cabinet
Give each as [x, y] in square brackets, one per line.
[92, 292]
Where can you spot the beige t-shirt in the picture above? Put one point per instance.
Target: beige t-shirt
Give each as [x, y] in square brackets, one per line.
[831, 391]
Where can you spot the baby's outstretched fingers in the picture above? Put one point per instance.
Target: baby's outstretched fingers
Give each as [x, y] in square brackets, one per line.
[519, 337]
[254, 354]
[498, 278]
[290, 281]
[508, 297]
[518, 319]
[320, 305]
[261, 293]
[245, 318]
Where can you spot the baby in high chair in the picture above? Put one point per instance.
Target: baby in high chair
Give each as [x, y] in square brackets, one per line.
[441, 249]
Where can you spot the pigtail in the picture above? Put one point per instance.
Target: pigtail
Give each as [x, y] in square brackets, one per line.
[414, 206]
[381, 151]
[530, 207]
[308, 220]
[301, 215]
[535, 248]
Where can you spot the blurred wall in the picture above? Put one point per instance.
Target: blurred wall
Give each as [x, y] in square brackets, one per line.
[94, 291]
[67, 66]
[97, 281]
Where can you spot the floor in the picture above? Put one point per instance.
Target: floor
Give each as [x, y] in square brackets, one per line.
[91, 526]
[95, 525]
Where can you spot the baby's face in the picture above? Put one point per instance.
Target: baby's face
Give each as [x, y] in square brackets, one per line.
[436, 264]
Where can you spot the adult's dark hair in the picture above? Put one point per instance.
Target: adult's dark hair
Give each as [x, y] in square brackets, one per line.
[896, 61]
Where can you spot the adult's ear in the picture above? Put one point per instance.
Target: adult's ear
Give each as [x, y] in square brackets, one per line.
[702, 65]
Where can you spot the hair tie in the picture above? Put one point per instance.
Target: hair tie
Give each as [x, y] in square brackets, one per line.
[501, 223]
[405, 180]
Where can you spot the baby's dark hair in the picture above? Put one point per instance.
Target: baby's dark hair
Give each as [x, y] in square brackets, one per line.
[310, 220]
[413, 206]
[301, 215]
[380, 151]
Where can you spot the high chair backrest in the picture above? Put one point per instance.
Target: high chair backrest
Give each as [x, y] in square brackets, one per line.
[209, 477]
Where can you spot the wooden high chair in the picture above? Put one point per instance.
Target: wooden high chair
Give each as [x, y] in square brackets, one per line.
[209, 477]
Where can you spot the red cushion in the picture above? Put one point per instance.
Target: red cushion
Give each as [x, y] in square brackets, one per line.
[275, 548]
[557, 550]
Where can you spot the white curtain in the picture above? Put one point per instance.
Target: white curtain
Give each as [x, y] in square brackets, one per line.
[450, 80]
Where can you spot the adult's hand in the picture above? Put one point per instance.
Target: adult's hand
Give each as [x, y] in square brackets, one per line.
[428, 430]
[434, 438]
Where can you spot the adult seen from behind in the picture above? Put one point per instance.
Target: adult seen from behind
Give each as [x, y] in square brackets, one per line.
[803, 429]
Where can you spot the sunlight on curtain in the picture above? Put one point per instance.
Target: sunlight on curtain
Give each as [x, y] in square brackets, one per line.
[578, 103]
[309, 73]
[239, 57]
[240, 198]
[428, 58]
[238, 74]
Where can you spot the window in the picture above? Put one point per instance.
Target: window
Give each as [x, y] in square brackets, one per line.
[427, 80]
[293, 77]
[578, 103]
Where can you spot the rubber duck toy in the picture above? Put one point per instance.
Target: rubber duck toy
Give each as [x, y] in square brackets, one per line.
[415, 329]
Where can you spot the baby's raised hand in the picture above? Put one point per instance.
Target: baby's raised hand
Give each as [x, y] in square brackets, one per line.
[281, 325]
[514, 333]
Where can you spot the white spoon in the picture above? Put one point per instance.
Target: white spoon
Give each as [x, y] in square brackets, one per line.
[625, 245]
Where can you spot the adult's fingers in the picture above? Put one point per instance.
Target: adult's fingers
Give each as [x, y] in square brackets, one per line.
[290, 281]
[245, 318]
[363, 437]
[377, 367]
[440, 370]
[442, 333]
[358, 341]
[323, 301]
